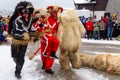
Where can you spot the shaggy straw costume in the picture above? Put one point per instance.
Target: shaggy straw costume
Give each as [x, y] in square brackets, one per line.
[69, 34]
[87, 60]
[105, 62]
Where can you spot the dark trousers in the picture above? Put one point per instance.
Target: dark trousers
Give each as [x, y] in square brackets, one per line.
[18, 54]
[90, 34]
[102, 34]
[96, 35]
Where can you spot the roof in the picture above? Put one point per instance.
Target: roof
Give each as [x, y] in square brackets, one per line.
[98, 5]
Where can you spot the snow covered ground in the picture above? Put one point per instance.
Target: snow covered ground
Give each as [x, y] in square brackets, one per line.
[29, 71]
[7, 66]
[113, 42]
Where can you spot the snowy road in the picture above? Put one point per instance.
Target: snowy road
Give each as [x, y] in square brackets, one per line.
[96, 47]
[32, 69]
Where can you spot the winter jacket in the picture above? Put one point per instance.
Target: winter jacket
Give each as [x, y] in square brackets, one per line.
[89, 25]
[105, 20]
[102, 26]
[96, 27]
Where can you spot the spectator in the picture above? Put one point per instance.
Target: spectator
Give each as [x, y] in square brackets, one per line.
[115, 26]
[102, 30]
[109, 29]
[96, 30]
[105, 20]
[89, 28]
[0, 31]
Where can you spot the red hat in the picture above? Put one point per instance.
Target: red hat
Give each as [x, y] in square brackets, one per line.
[54, 8]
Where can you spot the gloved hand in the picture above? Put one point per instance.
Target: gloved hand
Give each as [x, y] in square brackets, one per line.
[9, 38]
[36, 39]
[31, 56]
[26, 36]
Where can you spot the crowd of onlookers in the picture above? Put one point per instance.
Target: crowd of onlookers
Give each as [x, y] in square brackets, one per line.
[3, 27]
[106, 28]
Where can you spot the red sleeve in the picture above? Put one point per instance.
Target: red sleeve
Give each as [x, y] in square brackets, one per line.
[36, 25]
[39, 29]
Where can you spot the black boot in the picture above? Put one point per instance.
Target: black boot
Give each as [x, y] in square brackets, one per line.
[18, 70]
[53, 55]
[43, 66]
[49, 71]
[18, 76]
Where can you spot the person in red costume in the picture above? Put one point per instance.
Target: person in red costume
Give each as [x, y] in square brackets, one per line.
[49, 43]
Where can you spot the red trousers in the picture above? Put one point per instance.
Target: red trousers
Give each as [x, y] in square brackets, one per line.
[48, 44]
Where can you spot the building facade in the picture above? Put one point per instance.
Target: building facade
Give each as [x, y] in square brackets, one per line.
[113, 7]
[97, 7]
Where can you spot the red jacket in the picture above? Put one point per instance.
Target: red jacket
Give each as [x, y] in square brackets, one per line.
[105, 20]
[53, 24]
[89, 25]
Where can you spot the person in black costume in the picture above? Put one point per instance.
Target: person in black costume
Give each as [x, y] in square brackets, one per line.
[19, 28]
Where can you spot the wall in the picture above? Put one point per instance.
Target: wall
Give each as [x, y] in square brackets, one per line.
[84, 12]
[88, 13]
[98, 14]
[113, 6]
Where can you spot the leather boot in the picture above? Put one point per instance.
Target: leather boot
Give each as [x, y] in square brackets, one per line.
[53, 55]
[18, 76]
[43, 66]
[49, 71]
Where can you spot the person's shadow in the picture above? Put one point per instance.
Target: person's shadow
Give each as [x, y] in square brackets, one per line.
[58, 73]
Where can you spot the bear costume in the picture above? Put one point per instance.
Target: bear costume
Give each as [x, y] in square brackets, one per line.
[69, 34]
